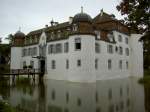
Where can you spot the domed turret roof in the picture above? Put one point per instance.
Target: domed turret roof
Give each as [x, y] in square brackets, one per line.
[19, 34]
[82, 17]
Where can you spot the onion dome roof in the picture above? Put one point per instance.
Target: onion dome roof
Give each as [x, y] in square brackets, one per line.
[82, 17]
[19, 34]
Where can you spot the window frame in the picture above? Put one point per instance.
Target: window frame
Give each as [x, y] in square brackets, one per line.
[78, 44]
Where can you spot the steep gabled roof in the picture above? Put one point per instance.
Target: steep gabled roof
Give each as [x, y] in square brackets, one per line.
[103, 17]
[55, 27]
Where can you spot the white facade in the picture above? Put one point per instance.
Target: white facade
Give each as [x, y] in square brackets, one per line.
[84, 64]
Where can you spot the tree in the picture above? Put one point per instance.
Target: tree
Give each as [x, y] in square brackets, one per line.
[137, 17]
[0, 40]
[10, 38]
[137, 14]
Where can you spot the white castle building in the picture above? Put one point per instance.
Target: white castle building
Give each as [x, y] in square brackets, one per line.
[80, 50]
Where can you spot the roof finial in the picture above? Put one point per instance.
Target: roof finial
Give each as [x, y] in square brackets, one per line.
[19, 28]
[102, 12]
[81, 9]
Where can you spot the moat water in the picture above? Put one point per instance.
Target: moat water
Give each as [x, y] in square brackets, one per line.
[117, 95]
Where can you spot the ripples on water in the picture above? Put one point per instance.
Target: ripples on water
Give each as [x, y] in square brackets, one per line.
[118, 95]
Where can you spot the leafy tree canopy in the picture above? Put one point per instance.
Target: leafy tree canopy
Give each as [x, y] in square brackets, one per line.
[137, 14]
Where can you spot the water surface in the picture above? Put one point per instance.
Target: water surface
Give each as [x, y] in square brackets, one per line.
[117, 95]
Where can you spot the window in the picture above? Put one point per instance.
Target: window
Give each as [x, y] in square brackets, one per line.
[109, 64]
[28, 51]
[50, 49]
[127, 64]
[67, 64]
[66, 47]
[96, 63]
[30, 41]
[52, 35]
[120, 50]
[110, 36]
[32, 51]
[77, 44]
[127, 51]
[24, 63]
[78, 63]
[36, 40]
[110, 49]
[126, 40]
[32, 64]
[119, 38]
[75, 27]
[59, 34]
[116, 48]
[23, 52]
[53, 64]
[97, 34]
[120, 64]
[97, 48]
[58, 48]
[35, 51]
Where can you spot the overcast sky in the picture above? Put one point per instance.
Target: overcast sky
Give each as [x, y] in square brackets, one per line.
[34, 14]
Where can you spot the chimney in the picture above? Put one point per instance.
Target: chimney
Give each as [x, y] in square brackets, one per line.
[56, 23]
[46, 26]
[70, 20]
[52, 22]
[101, 13]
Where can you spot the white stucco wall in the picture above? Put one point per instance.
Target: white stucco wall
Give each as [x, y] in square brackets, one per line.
[115, 72]
[16, 57]
[27, 59]
[136, 58]
[73, 73]
[87, 72]
[60, 73]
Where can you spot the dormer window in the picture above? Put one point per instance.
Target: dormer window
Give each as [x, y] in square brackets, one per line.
[110, 37]
[36, 40]
[30, 40]
[97, 34]
[59, 34]
[52, 35]
[25, 41]
[75, 27]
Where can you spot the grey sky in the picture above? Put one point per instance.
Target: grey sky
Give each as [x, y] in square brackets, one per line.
[34, 14]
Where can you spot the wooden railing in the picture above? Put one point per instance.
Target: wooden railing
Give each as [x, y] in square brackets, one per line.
[24, 71]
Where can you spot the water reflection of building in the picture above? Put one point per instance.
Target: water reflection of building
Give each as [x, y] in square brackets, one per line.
[123, 95]
[82, 49]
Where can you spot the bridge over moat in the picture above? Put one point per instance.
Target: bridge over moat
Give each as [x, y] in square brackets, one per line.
[30, 73]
